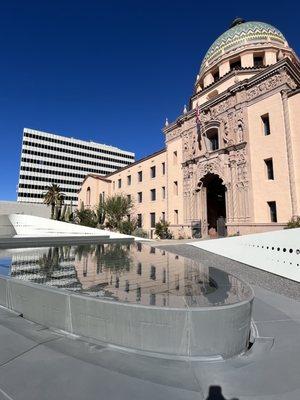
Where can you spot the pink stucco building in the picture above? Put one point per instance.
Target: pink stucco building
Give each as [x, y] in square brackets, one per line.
[234, 153]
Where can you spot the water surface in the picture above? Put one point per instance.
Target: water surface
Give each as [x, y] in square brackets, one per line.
[135, 273]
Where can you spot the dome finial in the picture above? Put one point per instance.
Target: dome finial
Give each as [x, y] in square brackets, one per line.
[237, 21]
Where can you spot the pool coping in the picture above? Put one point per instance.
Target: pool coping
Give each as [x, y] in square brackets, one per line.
[33, 241]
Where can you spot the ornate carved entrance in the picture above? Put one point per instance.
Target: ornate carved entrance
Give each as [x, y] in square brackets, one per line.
[215, 203]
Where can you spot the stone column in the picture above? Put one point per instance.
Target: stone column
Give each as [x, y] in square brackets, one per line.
[228, 198]
[203, 208]
[233, 191]
[289, 148]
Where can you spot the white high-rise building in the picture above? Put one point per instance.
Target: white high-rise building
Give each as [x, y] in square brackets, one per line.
[48, 158]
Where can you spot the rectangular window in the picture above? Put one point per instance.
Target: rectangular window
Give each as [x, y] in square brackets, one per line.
[258, 61]
[119, 183]
[140, 197]
[129, 197]
[176, 217]
[235, 64]
[163, 165]
[273, 211]
[153, 194]
[163, 192]
[175, 188]
[152, 299]
[153, 272]
[152, 220]
[216, 75]
[153, 172]
[163, 216]
[269, 168]
[129, 180]
[139, 269]
[212, 136]
[266, 124]
[139, 220]
[140, 176]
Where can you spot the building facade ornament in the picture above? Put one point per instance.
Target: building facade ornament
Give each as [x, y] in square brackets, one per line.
[241, 123]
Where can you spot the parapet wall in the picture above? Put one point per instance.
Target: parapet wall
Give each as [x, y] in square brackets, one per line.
[277, 252]
[16, 207]
[221, 332]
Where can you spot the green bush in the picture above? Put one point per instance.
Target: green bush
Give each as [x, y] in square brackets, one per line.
[86, 217]
[127, 227]
[293, 223]
[162, 230]
[139, 232]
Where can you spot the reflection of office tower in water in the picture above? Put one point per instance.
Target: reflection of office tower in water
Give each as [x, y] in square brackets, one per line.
[52, 266]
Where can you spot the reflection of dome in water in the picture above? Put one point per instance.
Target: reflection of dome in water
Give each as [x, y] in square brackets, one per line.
[240, 35]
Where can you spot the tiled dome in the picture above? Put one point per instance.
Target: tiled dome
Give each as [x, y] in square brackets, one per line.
[240, 35]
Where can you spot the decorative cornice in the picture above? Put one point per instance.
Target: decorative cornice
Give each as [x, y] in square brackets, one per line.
[213, 154]
[285, 64]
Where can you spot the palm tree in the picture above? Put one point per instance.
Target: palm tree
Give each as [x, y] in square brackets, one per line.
[49, 262]
[54, 197]
[116, 209]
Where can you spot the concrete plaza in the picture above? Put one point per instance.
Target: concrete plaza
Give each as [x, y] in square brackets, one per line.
[37, 363]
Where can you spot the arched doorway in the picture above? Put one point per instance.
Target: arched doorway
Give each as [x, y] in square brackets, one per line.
[215, 203]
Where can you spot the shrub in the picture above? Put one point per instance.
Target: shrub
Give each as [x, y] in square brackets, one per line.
[162, 230]
[139, 232]
[86, 217]
[293, 223]
[127, 227]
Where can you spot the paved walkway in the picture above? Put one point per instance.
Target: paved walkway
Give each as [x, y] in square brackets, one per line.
[37, 363]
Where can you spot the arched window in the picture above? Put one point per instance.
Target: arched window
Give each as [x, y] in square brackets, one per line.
[101, 197]
[88, 196]
[212, 136]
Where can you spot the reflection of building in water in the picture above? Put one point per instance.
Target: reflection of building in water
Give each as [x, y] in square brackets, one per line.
[147, 276]
[144, 274]
[134, 273]
[52, 266]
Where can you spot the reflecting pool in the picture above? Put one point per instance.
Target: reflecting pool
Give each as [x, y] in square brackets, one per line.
[132, 273]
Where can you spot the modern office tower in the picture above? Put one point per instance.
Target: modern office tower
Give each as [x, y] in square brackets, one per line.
[48, 158]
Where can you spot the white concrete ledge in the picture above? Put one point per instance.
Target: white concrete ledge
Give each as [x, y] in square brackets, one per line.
[18, 229]
[277, 252]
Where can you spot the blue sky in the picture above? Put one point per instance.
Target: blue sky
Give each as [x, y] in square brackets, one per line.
[108, 71]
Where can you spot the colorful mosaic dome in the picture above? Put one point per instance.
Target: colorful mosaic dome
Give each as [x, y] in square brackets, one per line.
[242, 33]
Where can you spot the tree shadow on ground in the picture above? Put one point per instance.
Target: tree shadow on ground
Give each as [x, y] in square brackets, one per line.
[215, 393]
